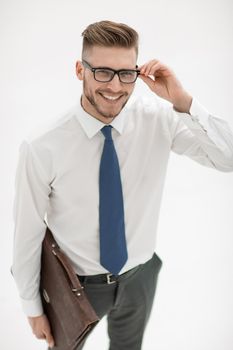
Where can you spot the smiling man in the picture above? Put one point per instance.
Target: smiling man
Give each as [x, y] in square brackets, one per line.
[98, 177]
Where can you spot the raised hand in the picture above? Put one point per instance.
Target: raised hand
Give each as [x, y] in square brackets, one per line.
[163, 82]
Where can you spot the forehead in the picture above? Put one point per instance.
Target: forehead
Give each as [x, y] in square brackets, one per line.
[114, 57]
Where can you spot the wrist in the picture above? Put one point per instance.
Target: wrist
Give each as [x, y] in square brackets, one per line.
[183, 104]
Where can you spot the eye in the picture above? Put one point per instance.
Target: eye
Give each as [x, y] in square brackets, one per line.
[127, 73]
[103, 73]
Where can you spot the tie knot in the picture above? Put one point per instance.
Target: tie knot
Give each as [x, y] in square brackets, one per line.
[107, 131]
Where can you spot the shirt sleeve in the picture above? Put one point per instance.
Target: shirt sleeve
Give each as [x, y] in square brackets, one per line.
[30, 204]
[205, 138]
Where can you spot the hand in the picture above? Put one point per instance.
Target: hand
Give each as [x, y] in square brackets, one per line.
[41, 328]
[162, 81]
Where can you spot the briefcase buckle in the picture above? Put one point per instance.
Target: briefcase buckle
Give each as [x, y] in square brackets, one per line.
[78, 291]
[109, 275]
[46, 296]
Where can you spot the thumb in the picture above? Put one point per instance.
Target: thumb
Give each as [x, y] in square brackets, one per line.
[49, 339]
[149, 81]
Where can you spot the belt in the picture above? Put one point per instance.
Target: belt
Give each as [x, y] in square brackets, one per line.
[107, 278]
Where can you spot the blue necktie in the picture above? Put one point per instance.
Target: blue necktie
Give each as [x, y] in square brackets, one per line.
[113, 250]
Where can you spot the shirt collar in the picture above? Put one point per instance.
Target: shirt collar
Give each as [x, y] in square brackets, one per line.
[92, 126]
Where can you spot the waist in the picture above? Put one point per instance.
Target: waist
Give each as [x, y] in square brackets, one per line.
[107, 278]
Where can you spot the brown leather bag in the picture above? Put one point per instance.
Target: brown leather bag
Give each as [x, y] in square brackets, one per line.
[69, 312]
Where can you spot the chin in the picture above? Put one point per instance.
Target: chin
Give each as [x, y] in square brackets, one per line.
[110, 115]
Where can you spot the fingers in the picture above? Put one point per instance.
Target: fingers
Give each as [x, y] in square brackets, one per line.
[41, 329]
[154, 68]
[146, 68]
[49, 339]
[147, 80]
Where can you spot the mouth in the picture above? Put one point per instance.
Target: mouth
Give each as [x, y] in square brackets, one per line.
[111, 98]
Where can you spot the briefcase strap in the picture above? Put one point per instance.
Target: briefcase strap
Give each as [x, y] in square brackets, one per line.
[64, 260]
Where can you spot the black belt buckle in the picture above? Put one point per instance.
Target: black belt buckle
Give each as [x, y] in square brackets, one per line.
[109, 281]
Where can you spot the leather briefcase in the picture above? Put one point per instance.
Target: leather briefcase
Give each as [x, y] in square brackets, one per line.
[69, 312]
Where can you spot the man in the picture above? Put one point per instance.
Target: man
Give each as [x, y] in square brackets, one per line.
[98, 177]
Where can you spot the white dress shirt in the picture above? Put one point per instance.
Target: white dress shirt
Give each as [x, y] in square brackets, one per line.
[57, 180]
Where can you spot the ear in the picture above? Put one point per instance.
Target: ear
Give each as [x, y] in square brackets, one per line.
[79, 70]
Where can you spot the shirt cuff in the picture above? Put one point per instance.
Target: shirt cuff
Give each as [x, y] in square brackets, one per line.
[32, 308]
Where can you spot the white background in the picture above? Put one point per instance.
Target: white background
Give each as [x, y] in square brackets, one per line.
[40, 42]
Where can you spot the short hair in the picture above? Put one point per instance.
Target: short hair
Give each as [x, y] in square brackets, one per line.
[109, 34]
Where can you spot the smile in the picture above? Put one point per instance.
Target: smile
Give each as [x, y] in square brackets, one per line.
[111, 98]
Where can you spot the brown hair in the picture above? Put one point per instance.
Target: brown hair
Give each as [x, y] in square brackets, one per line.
[109, 34]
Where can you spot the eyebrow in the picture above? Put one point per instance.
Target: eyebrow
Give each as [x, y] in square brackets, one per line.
[104, 67]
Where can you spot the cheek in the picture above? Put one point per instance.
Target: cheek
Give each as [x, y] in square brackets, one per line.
[89, 85]
[129, 89]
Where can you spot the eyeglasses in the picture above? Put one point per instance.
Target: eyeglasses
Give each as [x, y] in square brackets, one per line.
[104, 75]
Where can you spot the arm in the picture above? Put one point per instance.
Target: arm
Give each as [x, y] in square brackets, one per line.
[204, 138]
[31, 199]
[199, 135]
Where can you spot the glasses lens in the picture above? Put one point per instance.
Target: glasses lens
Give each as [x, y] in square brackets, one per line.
[128, 76]
[103, 75]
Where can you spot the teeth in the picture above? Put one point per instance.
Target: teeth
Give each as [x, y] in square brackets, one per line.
[111, 97]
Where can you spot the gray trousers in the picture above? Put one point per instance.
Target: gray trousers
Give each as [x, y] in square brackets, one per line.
[127, 304]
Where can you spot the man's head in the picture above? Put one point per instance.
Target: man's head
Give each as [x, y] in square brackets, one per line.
[107, 45]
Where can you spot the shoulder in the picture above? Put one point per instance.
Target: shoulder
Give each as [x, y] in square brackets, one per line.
[44, 145]
[53, 129]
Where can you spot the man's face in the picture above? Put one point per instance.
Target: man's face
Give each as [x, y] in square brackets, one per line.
[104, 101]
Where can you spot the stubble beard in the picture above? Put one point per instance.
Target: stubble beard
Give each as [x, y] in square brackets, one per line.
[91, 99]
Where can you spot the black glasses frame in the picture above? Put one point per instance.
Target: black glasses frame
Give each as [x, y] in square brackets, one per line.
[87, 65]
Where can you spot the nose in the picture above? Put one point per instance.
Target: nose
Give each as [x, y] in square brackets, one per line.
[115, 84]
